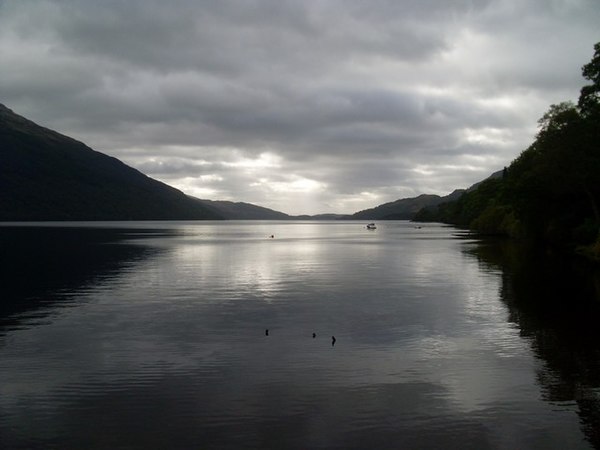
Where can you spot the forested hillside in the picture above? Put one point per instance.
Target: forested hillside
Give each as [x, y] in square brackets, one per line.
[403, 209]
[551, 192]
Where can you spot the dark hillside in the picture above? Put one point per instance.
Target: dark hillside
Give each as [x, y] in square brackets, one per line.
[48, 176]
[403, 209]
[244, 211]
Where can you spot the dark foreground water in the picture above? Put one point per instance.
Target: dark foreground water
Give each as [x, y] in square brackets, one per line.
[152, 335]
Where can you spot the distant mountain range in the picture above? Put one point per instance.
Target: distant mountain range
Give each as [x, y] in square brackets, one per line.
[45, 175]
[407, 208]
[404, 209]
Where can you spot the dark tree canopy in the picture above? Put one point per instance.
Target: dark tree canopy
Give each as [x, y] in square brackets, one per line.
[589, 99]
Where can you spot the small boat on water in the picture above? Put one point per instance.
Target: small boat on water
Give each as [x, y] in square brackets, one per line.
[371, 226]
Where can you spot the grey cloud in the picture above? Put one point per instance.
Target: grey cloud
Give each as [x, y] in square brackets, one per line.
[170, 167]
[355, 96]
[216, 35]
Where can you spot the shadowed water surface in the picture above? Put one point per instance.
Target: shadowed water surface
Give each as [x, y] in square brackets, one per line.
[152, 335]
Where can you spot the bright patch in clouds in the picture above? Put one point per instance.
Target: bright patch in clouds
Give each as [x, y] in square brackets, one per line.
[191, 186]
[263, 161]
[486, 136]
[293, 184]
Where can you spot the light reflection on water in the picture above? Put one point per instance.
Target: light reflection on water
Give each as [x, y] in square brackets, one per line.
[162, 343]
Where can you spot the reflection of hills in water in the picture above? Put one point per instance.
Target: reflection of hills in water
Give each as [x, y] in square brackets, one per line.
[556, 303]
[41, 266]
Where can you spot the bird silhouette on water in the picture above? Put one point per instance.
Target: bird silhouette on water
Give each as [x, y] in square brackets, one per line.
[314, 335]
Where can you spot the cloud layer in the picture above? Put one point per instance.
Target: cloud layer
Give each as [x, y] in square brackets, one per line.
[304, 107]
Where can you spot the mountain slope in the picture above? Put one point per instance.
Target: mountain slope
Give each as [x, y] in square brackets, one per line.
[409, 208]
[243, 211]
[404, 209]
[48, 176]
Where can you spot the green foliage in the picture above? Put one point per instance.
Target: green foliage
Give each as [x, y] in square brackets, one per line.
[497, 220]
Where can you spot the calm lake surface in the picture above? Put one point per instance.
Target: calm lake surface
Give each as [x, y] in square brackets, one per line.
[153, 335]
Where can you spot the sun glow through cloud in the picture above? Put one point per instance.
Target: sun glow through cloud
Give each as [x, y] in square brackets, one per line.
[263, 161]
[294, 184]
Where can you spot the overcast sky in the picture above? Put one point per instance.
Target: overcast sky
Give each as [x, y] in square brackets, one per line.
[303, 106]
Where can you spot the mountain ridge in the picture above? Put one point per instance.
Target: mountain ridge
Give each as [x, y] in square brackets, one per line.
[45, 175]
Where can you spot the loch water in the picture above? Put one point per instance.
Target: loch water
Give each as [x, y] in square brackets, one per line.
[154, 335]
